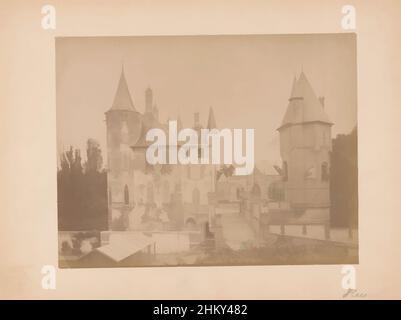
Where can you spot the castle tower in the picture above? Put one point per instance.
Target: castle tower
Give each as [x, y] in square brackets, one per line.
[305, 144]
[211, 124]
[123, 130]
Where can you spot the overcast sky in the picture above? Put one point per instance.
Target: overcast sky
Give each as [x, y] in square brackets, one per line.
[246, 79]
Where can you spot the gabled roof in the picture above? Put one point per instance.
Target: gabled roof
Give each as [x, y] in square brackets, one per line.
[304, 106]
[142, 143]
[122, 99]
[122, 246]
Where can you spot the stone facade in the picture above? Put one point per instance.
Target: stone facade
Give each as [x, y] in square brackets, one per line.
[141, 192]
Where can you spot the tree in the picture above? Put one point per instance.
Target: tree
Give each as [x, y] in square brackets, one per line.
[82, 194]
[94, 162]
[344, 181]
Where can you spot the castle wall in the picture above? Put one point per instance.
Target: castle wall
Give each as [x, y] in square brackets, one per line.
[305, 150]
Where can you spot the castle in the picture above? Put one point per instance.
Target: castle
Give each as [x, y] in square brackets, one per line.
[140, 193]
[299, 194]
[142, 196]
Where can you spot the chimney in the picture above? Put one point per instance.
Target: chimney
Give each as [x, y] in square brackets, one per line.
[196, 119]
[321, 99]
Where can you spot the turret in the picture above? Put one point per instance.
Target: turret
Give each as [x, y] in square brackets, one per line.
[305, 143]
[121, 118]
[123, 130]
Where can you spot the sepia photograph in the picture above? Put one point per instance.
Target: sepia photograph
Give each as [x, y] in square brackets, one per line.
[207, 150]
[200, 158]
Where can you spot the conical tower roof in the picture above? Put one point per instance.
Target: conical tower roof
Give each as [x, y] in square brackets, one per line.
[211, 122]
[122, 99]
[304, 106]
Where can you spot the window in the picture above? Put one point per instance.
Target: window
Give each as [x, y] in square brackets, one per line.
[285, 171]
[325, 171]
[126, 195]
[310, 173]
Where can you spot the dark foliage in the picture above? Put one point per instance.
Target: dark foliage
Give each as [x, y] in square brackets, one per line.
[82, 191]
[344, 181]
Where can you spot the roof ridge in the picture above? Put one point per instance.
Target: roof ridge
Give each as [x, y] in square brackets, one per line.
[122, 99]
[304, 105]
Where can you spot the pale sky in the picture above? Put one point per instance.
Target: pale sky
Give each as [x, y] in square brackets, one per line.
[246, 79]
